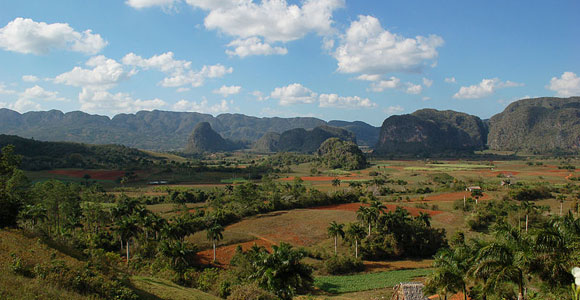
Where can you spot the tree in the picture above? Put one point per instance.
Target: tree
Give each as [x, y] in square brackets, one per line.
[506, 259]
[282, 271]
[335, 182]
[528, 207]
[13, 186]
[127, 229]
[214, 233]
[561, 199]
[181, 255]
[368, 215]
[335, 230]
[425, 218]
[356, 232]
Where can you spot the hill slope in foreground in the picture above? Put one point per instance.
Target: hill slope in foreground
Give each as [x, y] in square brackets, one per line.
[32, 251]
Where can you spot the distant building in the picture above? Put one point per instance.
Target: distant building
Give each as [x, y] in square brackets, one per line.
[409, 291]
[472, 188]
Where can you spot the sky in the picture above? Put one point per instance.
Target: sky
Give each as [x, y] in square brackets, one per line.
[330, 59]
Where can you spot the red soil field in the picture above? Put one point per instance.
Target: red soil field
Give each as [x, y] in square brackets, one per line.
[390, 207]
[100, 175]
[224, 254]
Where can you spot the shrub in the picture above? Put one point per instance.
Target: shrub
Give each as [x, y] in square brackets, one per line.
[343, 265]
[250, 292]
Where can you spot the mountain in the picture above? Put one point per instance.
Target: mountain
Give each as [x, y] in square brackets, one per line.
[155, 130]
[335, 153]
[537, 125]
[429, 131]
[301, 140]
[37, 155]
[205, 139]
[366, 135]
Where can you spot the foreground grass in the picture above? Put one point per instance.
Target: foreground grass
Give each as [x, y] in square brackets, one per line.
[155, 288]
[369, 281]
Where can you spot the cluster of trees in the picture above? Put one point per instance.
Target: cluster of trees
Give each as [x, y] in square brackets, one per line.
[335, 153]
[389, 235]
[505, 266]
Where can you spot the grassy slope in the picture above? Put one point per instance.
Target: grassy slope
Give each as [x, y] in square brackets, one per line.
[32, 251]
[155, 288]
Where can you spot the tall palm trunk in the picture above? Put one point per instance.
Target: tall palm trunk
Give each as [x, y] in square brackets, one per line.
[335, 241]
[356, 248]
[526, 223]
[369, 228]
[127, 251]
[214, 251]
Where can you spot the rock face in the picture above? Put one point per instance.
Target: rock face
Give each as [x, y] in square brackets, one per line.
[205, 139]
[301, 140]
[429, 131]
[539, 125]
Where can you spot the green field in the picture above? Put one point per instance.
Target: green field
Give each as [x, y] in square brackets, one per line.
[369, 281]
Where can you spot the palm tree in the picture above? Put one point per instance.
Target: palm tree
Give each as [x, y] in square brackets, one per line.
[127, 228]
[368, 215]
[335, 230]
[506, 259]
[215, 234]
[379, 206]
[355, 232]
[561, 199]
[282, 271]
[528, 207]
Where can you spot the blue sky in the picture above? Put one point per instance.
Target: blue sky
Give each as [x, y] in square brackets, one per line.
[331, 59]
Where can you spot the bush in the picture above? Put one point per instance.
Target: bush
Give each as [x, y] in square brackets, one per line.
[250, 292]
[337, 265]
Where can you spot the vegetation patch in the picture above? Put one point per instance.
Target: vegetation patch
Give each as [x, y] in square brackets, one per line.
[369, 281]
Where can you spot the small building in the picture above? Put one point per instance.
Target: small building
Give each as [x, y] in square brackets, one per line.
[409, 291]
[472, 188]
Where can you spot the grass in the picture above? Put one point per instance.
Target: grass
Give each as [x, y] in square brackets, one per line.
[369, 281]
[155, 288]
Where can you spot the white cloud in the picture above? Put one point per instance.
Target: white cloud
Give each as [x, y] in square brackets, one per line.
[259, 96]
[228, 90]
[426, 98]
[4, 90]
[37, 92]
[334, 100]
[274, 20]
[427, 82]
[203, 106]
[183, 90]
[485, 88]
[22, 105]
[250, 22]
[162, 62]
[370, 77]
[293, 94]
[179, 71]
[450, 80]
[105, 74]
[29, 78]
[381, 85]
[253, 46]
[196, 79]
[414, 89]
[104, 102]
[392, 110]
[368, 48]
[27, 36]
[139, 4]
[567, 85]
